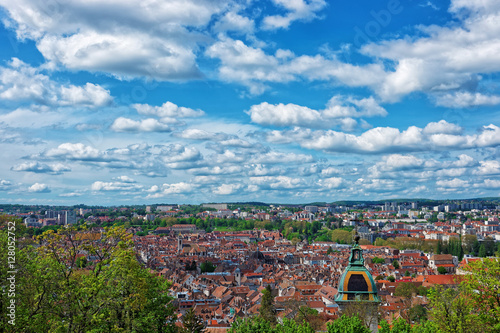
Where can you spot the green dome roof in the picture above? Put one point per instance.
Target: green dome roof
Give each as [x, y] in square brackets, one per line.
[356, 283]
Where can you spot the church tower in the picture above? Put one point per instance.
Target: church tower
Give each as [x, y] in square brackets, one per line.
[237, 275]
[179, 244]
[357, 288]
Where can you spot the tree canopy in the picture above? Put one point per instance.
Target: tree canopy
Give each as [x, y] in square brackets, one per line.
[346, 324]
[192, 323]
[260, 325]
[112, 293]
[267, 309]
[482, 288]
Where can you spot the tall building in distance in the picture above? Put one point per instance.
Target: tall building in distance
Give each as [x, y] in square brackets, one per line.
[62, 217]
[67, 217]
[215, 205]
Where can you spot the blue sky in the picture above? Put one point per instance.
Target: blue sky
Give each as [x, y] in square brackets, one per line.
[290, 101]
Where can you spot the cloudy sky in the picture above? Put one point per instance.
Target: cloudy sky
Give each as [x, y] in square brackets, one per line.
[291, 101]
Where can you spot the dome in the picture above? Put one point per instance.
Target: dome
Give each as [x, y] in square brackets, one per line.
[356, 283]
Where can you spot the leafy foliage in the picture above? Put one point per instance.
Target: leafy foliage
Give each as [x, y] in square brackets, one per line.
[308, 315]
[347, 324]
[377, 260]
[341, 236]
[207, 266]
[473, 306]
[418, 313]
[406, 290]
[401, 326]
[367, 313]
[267, 309]
[452, 311]
[113, 293]
[259, 324]
[483, 286]
[192, 323]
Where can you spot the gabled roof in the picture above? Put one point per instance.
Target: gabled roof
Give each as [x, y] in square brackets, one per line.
[440, 279]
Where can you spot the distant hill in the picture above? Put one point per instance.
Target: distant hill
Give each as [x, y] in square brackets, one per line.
[422, 201]
[250, 203]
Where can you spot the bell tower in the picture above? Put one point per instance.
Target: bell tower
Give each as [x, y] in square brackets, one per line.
[237, 276]
[179, 244]
[357, 288]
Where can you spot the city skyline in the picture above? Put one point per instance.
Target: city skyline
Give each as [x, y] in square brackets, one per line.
[220, 101]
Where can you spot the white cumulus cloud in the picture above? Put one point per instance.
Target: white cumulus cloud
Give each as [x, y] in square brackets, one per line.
[302, 10]
[39, 188]
[55, 169]
[167, 110]
[388, 139]
[123, 124]
[77, 151]
[453, 183]
[339, 111]
[226, 189]
[463, 99]
[154, 39]
[20, 81]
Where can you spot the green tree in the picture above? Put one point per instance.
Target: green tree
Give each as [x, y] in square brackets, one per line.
[405, 290]
[398, 326]
[252, 324]
[482, 251]
[367, 313]
[391, 278]
[341, 236]
[451, 311]
[441, 270]
[468, 243]
[112, 294]
[267, 309]
[290, 326]
[192, 323]
[81, 262]
[489, 246]
[377, 260]
[260, 325]
[395, 263]
[207, 266]
[475, 247]
[422, 291]
[308, 315]
[483, 285]
[401, 326]
[439, 247]
[418, 313]
[347, 324]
